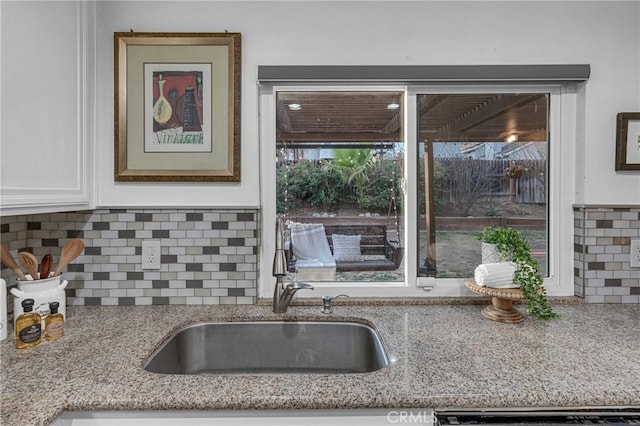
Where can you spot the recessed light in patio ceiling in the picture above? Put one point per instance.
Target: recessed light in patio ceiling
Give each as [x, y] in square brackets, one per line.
[339, 116]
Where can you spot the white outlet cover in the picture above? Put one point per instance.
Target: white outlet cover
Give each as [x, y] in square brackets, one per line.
[150, 254]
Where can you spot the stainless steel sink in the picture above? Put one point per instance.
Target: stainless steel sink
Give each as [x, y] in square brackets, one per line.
[270, 347]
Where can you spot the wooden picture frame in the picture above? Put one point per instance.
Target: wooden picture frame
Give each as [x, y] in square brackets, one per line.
[177, 107]
[628, 141]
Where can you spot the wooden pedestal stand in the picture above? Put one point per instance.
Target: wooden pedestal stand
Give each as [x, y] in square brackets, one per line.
[501, 308]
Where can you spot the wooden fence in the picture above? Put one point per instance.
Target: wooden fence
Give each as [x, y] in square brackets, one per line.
[458, 179]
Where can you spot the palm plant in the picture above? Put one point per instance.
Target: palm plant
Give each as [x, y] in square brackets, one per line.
[354, 165]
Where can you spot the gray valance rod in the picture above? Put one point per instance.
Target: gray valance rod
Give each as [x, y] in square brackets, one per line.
[423, 73]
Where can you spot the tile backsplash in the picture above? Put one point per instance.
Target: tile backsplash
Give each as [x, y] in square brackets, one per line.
[210, 256]
[602, 239]
[207, 256]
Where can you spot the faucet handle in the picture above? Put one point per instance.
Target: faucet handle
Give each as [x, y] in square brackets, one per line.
[326, 303]
[299, 285]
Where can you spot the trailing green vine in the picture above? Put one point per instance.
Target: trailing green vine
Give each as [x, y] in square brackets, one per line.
[511, 246]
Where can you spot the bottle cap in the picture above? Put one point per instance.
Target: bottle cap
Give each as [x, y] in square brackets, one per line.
[53, 306]
[27, 305]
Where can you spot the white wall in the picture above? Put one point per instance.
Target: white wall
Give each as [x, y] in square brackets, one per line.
[604, 34]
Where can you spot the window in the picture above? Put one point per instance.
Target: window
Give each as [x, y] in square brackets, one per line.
[438, 167]
[339, 162]
[483, 161]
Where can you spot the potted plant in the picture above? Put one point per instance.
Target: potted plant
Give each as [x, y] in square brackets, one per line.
[511, 246]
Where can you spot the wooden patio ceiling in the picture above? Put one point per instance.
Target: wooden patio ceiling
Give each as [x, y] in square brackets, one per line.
[325, 117]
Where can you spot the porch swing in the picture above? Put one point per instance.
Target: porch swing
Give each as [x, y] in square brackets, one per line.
[372, 240]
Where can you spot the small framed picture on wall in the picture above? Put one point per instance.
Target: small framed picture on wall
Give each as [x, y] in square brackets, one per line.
[628, 141]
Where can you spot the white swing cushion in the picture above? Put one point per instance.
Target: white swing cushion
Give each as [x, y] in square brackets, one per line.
[309, 241]
[315, 270]
[346, 248]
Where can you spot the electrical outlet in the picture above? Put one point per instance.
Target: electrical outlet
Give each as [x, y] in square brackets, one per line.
[151, 254]
[635, 253]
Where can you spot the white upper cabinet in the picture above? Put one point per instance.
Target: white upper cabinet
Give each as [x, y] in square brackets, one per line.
[47, 86]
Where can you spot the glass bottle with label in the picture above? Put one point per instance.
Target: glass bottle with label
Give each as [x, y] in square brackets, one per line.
[28, 326]
[54, 323]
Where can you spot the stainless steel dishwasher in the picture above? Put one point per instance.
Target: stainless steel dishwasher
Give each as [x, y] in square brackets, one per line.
[546, 417]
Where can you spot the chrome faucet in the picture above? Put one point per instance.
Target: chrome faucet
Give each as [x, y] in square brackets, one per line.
[282, 294]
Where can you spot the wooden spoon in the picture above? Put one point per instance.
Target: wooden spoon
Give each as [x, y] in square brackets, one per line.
[30, 263]
[45, 265]
[7, 259]
[70, 251]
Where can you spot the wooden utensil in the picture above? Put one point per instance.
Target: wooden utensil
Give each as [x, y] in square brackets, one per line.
[30, 263]
[45, 265]
[70, 251]
[7, 259]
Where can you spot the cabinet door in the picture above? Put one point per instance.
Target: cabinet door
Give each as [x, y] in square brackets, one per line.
[46, 79]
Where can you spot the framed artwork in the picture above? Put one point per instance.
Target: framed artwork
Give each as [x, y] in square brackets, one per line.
[177, 107]
[628, 141]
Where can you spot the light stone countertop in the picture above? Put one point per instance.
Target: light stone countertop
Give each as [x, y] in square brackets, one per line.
[447, 357]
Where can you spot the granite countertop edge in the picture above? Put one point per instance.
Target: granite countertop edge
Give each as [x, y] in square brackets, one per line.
[444, 355]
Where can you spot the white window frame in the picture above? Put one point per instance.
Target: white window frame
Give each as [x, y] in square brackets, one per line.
[562, 167]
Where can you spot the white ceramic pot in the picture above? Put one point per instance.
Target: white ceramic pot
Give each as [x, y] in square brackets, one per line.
[42, 292]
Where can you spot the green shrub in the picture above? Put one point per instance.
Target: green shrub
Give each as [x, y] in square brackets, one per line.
[375, 195]
[308, 182]
[367, 181]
